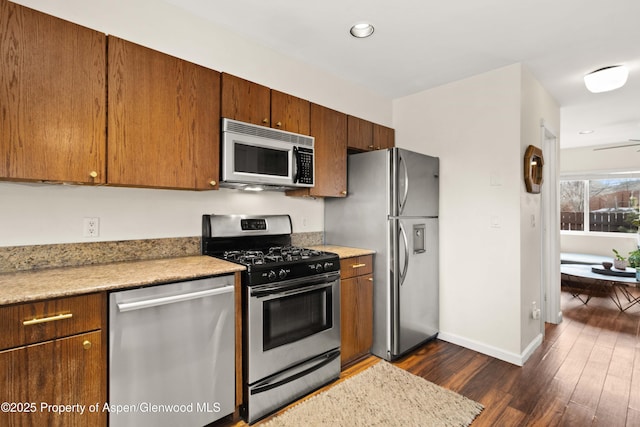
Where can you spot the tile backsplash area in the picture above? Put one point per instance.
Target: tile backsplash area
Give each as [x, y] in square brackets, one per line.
[22, 258]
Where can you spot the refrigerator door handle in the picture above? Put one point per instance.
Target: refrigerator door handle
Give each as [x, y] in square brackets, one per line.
[403, 272]
[403, 200]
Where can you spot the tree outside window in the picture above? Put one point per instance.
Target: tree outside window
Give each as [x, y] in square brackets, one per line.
[612, 205]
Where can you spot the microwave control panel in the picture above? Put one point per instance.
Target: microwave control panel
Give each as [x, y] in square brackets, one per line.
[305, 174]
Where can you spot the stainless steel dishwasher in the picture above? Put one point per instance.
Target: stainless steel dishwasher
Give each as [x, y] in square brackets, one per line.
[172, 354]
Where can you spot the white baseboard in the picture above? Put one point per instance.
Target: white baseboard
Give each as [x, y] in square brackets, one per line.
[498, 353]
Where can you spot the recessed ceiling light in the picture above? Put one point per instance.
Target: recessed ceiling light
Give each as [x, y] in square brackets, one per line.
[585, 132]
[361, 30]
[606, 79]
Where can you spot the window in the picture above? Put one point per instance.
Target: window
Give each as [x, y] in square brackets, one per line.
[600, 205]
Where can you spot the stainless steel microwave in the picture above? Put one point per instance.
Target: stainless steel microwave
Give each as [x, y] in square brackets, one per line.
[260, 158]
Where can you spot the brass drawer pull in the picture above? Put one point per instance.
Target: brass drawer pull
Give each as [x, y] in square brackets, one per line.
[358, 265]
[370, 279]
[47, 319]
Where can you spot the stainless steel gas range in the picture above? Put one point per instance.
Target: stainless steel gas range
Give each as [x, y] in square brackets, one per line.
[291, 309]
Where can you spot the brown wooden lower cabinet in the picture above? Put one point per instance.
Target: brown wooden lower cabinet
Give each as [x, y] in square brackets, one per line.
[60, 381]
[54, 383]
[356, 308]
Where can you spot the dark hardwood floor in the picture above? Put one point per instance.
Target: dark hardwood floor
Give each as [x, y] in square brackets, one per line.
[585, 373]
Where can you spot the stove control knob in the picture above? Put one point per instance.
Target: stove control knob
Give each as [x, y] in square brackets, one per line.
[318, 268]
[272, 275]
[282, 274]
[327, 266]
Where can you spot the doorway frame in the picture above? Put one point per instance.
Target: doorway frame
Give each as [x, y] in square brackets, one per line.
[550, 289]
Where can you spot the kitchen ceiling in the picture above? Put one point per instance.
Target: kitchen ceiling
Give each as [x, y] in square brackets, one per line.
[421, 44]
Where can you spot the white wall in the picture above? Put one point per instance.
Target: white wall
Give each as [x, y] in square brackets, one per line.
[577, 161]
[42, 214]
[473, 125]
[586, 159]
[598, 243]
[34, 214]
[478, 127]
[537, 106]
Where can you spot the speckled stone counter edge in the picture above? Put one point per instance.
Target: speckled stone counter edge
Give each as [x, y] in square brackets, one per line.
[23, 258]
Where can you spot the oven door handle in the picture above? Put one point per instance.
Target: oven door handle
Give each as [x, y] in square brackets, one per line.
[268, 294]
[289, 287]
[298, 372]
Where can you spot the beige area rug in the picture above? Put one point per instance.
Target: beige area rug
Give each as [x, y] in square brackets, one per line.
[383, 395]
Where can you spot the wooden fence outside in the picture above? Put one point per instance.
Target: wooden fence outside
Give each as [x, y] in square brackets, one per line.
[598, 221]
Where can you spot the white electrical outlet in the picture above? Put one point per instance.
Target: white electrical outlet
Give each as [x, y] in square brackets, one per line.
[535, 311]
[91, 227]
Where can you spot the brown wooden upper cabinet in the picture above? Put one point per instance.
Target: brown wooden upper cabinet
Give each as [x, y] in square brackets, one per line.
[245, 101]
[364, 135]
[290, 113]
[360, 134]
[329, 128]
[383, 137]
[53, 98]
[251, 102]
[164, 127]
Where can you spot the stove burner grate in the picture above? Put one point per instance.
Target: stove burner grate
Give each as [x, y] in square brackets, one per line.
[273, 254]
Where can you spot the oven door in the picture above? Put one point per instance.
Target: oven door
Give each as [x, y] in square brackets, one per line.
[291, 321]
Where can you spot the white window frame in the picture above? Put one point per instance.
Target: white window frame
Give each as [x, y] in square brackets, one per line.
[595, 175]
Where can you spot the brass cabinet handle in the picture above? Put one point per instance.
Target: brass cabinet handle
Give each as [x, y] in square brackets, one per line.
[371, 146]
[358, 265]
[370, 279]
[86, 344]
[47, 319]
[279, 124]
[265, 121]
[212, 183]
[93, 174]
[344, 192]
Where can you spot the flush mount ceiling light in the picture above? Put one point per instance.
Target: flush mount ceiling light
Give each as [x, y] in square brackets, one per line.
[361, 30]
[606, 79]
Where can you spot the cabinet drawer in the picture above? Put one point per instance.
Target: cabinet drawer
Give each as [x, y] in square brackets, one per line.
[30, 323]
[356, 266]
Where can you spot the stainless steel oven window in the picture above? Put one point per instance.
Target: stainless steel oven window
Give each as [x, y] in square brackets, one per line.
[260, 160]
[292, 318]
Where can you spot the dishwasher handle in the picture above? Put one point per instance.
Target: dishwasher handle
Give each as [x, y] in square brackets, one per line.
[154, 302]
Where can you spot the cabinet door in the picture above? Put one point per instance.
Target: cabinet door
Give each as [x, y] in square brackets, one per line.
[356, 317]
[53, 98]
[329, 128]
[164, 127]
[66, 371]
[245, 101]
[290, 113]
[383, 137]
[360, 134]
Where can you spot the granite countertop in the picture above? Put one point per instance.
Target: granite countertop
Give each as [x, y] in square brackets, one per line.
[343, 251]
[41, 284]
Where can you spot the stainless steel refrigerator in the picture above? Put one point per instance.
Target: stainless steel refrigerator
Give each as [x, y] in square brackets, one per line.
[392, 207]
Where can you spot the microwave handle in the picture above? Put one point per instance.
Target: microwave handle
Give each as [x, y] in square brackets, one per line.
[296, 163]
